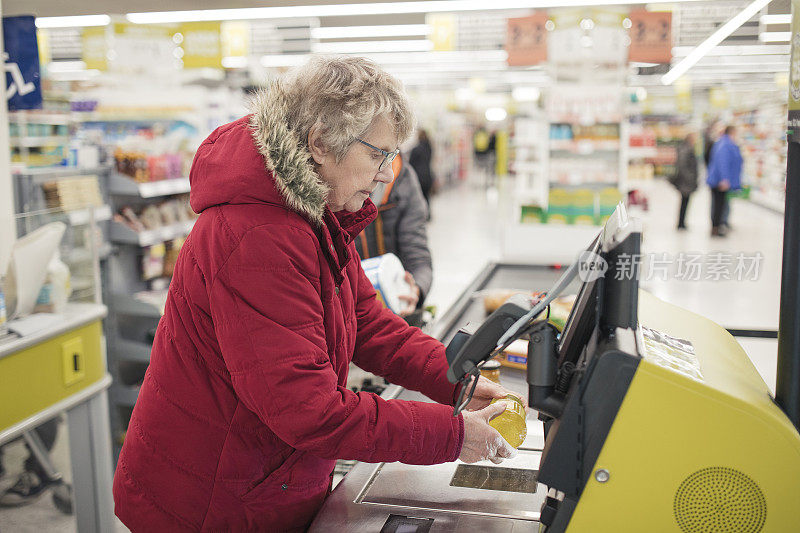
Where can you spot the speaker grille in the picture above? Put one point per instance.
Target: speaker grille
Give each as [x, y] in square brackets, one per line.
[720, 500]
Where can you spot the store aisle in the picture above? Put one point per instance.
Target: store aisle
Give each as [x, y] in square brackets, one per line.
[467, 223]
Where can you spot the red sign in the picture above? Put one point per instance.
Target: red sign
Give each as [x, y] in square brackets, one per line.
[526, 42]
[651, 37]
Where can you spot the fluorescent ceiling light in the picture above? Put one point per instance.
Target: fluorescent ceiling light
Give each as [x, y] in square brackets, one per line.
[73, 22]
[742, 69]
[234, 62]
[713, 40]
[496, 114]
[82, 75]
[362, 47]
[775, 36]
[776, 19]
[378, 8]
[352, 32]
[736, 50]
[66, 66]
[284, 60]
[526, 94]
[451, 67]
[476, 58]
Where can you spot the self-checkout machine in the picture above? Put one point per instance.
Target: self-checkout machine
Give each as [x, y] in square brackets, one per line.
[654, 420]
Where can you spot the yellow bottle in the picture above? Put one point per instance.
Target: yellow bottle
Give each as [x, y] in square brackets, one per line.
[511, 422]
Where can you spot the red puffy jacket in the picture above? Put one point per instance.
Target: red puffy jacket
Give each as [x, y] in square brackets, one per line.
[244, 409]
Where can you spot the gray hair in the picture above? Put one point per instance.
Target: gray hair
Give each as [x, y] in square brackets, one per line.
[344, 95]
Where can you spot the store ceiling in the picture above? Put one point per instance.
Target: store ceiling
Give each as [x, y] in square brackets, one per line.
[693, 22]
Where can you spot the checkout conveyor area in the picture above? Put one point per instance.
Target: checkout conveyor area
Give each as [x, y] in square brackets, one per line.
[67, 357]
[650, 418]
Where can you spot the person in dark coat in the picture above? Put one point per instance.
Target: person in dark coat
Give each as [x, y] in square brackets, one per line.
[685, 177]
[400, 228]
[724, 174]
[244, 407]
[420, 160]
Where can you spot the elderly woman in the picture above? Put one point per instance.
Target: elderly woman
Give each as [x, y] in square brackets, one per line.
[244, 410]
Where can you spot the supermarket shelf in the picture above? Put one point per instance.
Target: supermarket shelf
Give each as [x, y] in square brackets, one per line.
[527, 166]
[768, 202]
[80, 217]
[81, 284]
[82, 255]
[30, 142]
[583, 147]
[59, 172]
[125, 395]
[134, 116]
[38, 118]
[132, 350]
[121, 233]
[594, 185]
[125, 304]
[641, 152]
[578, 119]
[123, 185]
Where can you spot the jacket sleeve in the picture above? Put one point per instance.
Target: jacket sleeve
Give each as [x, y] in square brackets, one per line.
[388, 347]
[412, 235]
[714, 166]
[267, 312]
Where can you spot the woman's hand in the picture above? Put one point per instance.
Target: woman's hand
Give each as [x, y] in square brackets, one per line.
[486, 391]
[410, 300]
[482, 441]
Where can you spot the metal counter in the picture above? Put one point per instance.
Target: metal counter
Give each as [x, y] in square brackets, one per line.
[424, 498]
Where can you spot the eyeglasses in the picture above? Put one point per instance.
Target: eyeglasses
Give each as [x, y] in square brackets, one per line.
[388, 157]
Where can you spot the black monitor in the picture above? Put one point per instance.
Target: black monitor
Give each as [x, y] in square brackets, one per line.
[609, 293]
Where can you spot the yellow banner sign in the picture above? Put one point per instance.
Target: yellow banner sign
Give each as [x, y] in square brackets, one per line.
[94, 48]
[443, 31]
[202, 45]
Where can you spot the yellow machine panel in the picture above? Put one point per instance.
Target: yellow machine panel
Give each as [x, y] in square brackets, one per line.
[41, 375]
[705, 453]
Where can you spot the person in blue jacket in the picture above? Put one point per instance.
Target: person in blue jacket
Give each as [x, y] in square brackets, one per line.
[724, 174]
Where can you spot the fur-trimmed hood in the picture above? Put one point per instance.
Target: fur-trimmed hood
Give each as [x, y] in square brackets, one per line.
[285, 155]
[235, 163]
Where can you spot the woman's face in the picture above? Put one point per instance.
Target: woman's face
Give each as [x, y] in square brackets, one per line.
[353, 178]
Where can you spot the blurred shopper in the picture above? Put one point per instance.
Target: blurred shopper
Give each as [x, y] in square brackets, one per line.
[400, 228]
[685, 177]
[420, 159]
[710, 136]
[724, 174]
[33, 482]
[37, 479]
[244, 410]
[482, 149]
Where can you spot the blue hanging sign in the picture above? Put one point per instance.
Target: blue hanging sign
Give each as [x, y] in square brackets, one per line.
[23, 80]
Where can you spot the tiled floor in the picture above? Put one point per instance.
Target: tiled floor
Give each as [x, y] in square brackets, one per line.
[466, 231]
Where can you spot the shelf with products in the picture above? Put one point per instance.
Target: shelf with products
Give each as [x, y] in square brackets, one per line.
[144, 304]
[583, 172]
[761, 135]
[529, 147]
[122, 234]
[82, 216]
[125, 395]
[133, 350]
[41, 174]
[120, 184]
[148, 191]
[30, 142]
[587, 153]
[652, 144]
